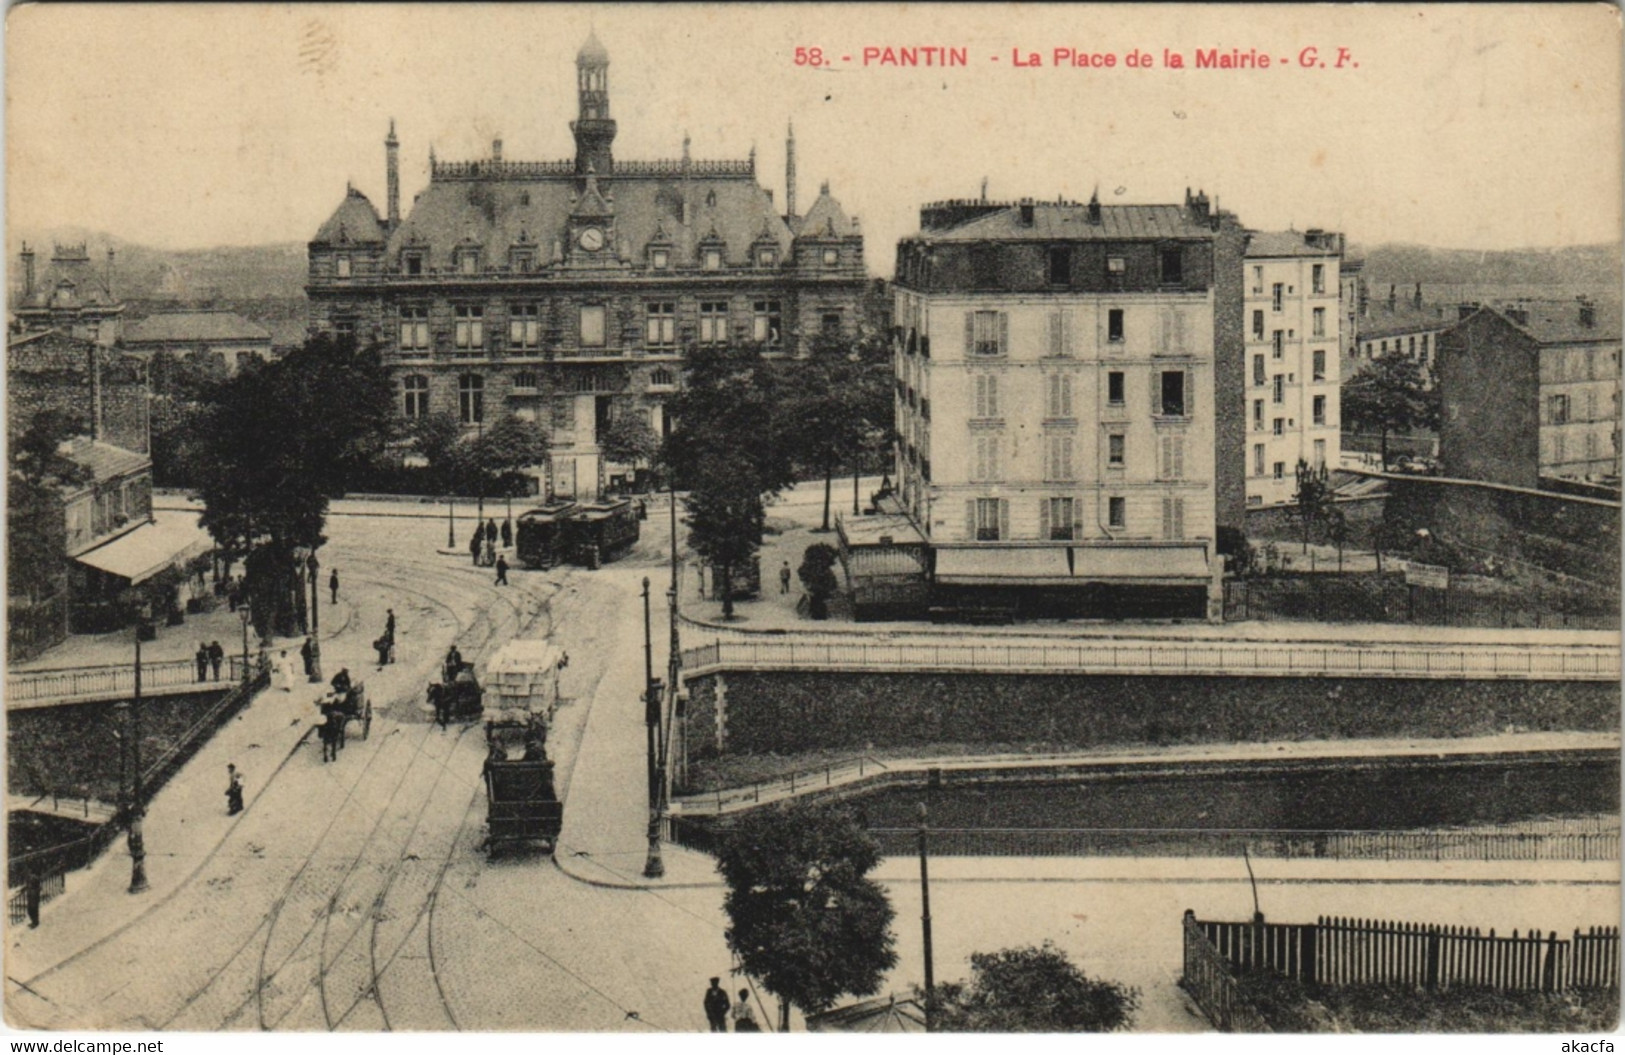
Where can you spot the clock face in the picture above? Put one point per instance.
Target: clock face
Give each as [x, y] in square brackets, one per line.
[592, 239]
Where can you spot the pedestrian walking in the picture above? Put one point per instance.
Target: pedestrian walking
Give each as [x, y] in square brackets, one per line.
[32, 899]
[507, 534]
[284, 672]
[202, 658]
[502, 571]
[389, 624]
[744, 1017]
[234, 791]
[217, 656]
[475, 544]
[307, 652]
[784, 578]
[716, 1006]
[491, 531]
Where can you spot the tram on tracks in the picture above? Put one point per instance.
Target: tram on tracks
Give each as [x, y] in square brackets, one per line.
[588, 534]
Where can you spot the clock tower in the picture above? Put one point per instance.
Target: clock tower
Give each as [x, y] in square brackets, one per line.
[591, 229]
[593, 127]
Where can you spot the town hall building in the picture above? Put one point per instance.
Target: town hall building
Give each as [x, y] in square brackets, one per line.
[565, 291]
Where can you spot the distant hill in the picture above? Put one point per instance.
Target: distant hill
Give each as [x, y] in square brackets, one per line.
[187, 276]
[1447, 274]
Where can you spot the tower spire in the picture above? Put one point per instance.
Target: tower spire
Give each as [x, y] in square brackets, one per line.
[392, 165]
[790, 172]
[594, 129]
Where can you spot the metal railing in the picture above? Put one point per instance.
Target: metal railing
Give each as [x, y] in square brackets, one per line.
[813, 652]
[117, 680]
[720, 799]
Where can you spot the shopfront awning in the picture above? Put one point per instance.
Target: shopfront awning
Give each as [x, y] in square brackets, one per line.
[171, 539]
[1072, 565]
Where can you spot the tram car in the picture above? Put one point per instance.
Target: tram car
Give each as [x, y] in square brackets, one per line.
[540, 539]
[598, 532]
[522, 803]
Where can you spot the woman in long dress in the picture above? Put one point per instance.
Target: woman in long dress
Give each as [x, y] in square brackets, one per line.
[284, 672]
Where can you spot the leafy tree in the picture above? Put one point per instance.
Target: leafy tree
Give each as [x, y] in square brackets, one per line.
[837, 398]
[818, 577]
[1031, 990]
[1314, 497]
[1232, 543]
[725, 449]
[438, 439]
[804, 917]
[283, 439]
[1337, 532]
[1390, 395]
[632, 440]
[508, 446]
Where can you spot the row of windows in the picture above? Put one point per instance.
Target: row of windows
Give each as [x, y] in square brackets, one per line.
[985, 264]
[1317, 283]
[1061, 519]
[1317, 372]
[660, 328]
[987, 465]
[1558, 409]
[1278, 470]
[1317, 324]
[471, 392]
[987, 333]
[1593, 447]
[1318, 409]
[525, 259]
[1168, 394]
[1373, 349]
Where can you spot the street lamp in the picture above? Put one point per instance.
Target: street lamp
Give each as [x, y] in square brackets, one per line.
[315, 619]
[653, 866]
[242, 613]
[134, 811]
[451, 522]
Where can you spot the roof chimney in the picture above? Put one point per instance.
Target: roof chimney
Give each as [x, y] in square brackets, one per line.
[496, 149]
[1393, 298]
[110, 295]
[28, 271]
[1588, 312]
[1416, 298]
[790, 171]
[392, 173]
[1026, 212]
[1094, 207]
[984, 188]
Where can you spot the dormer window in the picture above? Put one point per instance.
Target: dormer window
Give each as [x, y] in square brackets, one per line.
[1116, 266]
[711, 259]
[660, 259]
[767, 256]
[412, 263]
[468, 262]
[832, 257]
[523, 260]
[342, 266]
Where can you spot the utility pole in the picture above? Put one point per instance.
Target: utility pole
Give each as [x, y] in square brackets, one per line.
[925, 923]
[451, 522]
[653, 866]
[132, 730]
[314, 566]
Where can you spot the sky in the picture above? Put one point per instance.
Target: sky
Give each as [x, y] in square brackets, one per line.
[1464, 126]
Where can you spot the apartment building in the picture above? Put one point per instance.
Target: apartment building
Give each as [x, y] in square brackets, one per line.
[1058, 367]
[1294, 318]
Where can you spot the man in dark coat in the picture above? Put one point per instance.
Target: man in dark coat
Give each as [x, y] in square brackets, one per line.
[507, 534]
[389, 625]
[234, 791]
[491, 532]
[202, 658]
[716, 1007]
[476, 542]
[307, 652]
[502, 571]
[333, 584]
[217, 655]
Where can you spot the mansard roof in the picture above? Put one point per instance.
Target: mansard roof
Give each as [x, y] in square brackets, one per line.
[510, 198]
[1070, 221]
[69, 265]
[826, 219]
[354, 222]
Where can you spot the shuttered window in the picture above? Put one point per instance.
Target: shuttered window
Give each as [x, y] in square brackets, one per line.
[1172, 466]
[1059, 519]
[987, 332]
[1173, 518]
[1058, 402]
[985, 463]
[987, 519]
[987, 395]
[1060, 333]
[1058, 459]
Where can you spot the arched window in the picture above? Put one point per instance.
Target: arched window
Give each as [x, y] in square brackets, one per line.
[415, 391]
[661, 376]
[471, 398]
[525, 379]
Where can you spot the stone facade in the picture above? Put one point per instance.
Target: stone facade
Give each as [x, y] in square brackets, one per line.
[566, 291]
[106, 390]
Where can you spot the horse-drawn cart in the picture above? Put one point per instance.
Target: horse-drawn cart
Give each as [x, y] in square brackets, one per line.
[523, 805]
[458, 696]
[339, 709]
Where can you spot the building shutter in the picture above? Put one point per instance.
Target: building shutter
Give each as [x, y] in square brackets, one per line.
[1179, 517]
[1055, 338]
[1066, 333]
[1004, 518]
[1167, 518]
[970, 334]
[1179, 457]
[1156, 392]
[1043, 518]
[1004, 333]
[992, 395]
[1066, 395]
[970, 519]
[1077, 518]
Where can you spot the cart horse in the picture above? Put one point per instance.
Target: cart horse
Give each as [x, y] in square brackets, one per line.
[339, 708]
[457, 696]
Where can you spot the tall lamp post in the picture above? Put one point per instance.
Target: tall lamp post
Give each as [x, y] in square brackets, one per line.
[315, 618]
[242, 613]
[653, 866]
[925, 923]
[134, 811]
[451, 522]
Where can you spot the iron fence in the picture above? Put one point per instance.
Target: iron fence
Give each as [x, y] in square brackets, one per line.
[117, 680]
[815, 652]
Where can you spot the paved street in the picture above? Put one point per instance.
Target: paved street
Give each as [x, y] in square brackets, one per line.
[355, 895]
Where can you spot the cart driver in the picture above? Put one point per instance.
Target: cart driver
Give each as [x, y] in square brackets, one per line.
[341, 682]
[454, 662]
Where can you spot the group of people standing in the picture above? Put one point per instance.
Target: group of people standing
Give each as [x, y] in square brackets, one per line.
[482, 546]
[719, 1010]
[209, 656]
